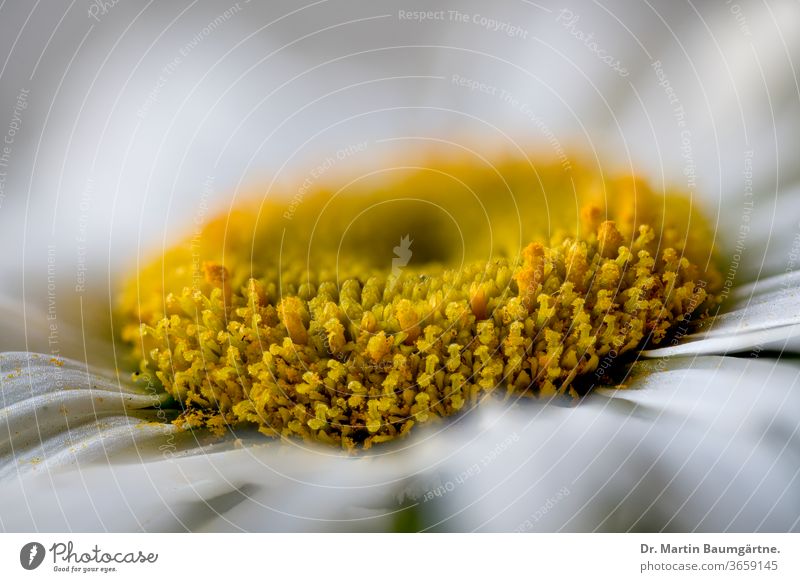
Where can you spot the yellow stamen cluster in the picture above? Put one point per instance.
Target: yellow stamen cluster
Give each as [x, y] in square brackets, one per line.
[326, 338]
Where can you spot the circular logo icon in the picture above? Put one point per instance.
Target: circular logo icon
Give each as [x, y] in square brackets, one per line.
[31, 555]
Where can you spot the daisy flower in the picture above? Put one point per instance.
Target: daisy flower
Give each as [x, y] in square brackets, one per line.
[301, 270]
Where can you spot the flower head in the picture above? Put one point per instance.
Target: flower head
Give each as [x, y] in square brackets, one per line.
[359, 354]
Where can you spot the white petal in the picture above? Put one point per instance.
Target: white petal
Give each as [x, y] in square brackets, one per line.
[762, 316]
[708, 444]
[54, 413]
[711, 444]
[777, 339]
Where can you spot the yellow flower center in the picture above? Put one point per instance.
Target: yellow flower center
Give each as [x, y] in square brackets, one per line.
[350, 316]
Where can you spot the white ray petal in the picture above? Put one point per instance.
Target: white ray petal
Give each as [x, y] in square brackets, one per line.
[777, 339]
[761, 316]
[710, 444]
[54, 413]
[707, 444]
